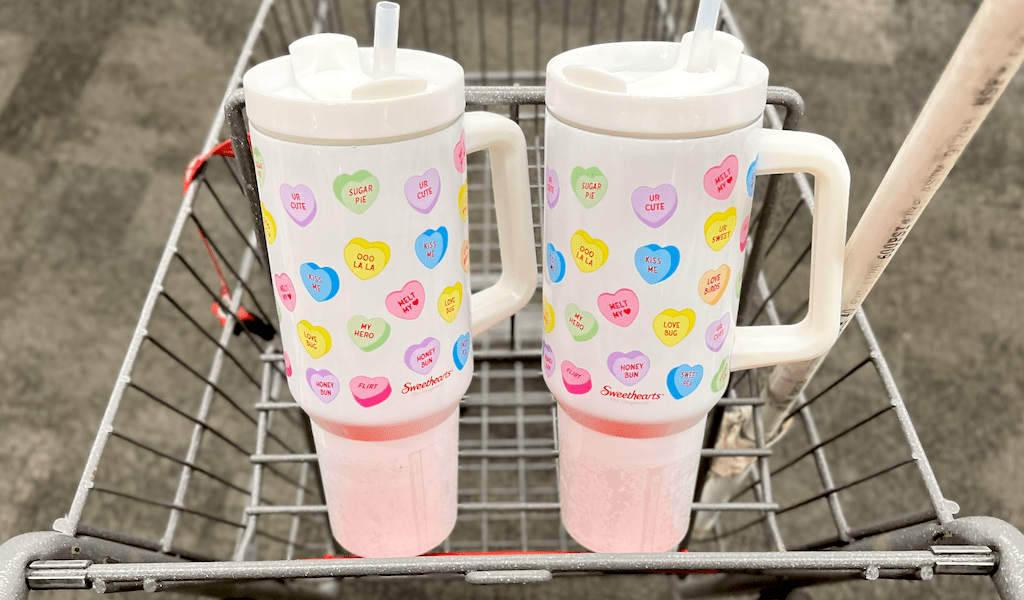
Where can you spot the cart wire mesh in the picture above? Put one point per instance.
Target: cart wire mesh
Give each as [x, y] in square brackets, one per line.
[222, 467]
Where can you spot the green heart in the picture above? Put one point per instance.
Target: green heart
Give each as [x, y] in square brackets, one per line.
[261, 167]
[582, 325]
[721, 377]
[357, 191]
[368, 334]
[590, 185]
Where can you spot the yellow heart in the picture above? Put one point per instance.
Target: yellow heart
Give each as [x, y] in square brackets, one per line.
[450, 301]
[719, 227]
[315, 340]
[366, 259]
[712, 284]
[269, 226]
[589, 253]
[464, 203]
[549, 316]
[671, 326]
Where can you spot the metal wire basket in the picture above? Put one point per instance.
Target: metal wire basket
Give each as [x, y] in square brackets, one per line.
[202, 477]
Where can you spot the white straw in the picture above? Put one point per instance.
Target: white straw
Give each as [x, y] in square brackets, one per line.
[703, 33]
[385, 39]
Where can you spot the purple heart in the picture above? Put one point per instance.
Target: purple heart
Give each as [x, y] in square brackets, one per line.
[423, 356]
[548, 360]
[299, 203]
[323, 383]
[551, 188]
[655, 206]
[629, 368]
[422, 191]
[717, 333]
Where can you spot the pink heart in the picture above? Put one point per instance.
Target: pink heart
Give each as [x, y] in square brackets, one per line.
[422, 191]
[629, 368]
[655, 206]
[459, 155]
[285, 290]
[299, 203]
[551, 188]
[620, 308]
[716, 333]
[744, 229]
[287, 365]
[422, 357]
[576, 379]
[323, 383]
[719, 181]
[369, 391]
[406, 303]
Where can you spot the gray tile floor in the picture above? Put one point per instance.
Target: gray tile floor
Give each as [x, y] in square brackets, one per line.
[102, 104]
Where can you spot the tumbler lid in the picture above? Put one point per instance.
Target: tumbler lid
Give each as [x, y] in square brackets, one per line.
[324, 90]
[643, 88]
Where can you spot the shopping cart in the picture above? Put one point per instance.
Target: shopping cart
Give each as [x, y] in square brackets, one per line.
[202, 478]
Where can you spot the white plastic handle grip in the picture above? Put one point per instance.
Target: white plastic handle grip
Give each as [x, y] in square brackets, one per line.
[791, 152]
[511, 186]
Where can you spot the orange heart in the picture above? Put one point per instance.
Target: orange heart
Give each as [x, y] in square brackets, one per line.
[712, 284]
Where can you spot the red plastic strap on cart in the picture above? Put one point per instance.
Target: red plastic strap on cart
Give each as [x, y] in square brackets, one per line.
[222, 149]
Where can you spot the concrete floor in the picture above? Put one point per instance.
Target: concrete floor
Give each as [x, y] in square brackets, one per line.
[102, 104]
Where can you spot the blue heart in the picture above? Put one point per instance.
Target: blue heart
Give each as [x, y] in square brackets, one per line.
[750, 176]
[431, 246]
[683, 380]
[460, 352]
[655, 263]
[321, 282]
[556, 264]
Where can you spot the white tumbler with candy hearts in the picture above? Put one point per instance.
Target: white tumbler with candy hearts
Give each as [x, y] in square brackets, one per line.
[649, 181]
[363, 189]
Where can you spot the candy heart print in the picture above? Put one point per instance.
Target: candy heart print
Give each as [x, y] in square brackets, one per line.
[555, 264]
[422, 191]
[285, 291]
[406, 303]
[431, 246]
[721, 378]
[368, 334]
[357, 191]
[744, 229]
[369, 391]
[261, 167]
[712, 284]
[422, 357]
[465, 255]
[656, 264]
[324, 384]
[751, 174]
[655, 206]
[315, 339]
[299, 203]
[551, 188]
[449, 302]
[620, 308]
[719, 181]
[287, 364]
[719, 227]
[671, 325]
[549, 316]
[629, 368]
[589, 185]
[683, 380]
[464, 203]
[459, 153]
[576, 379]
[366, 259]
[460, 352]
[582, 325]
[589, 253]
[269, 225]
[716, 333]
[547, 359]
[321, 282]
